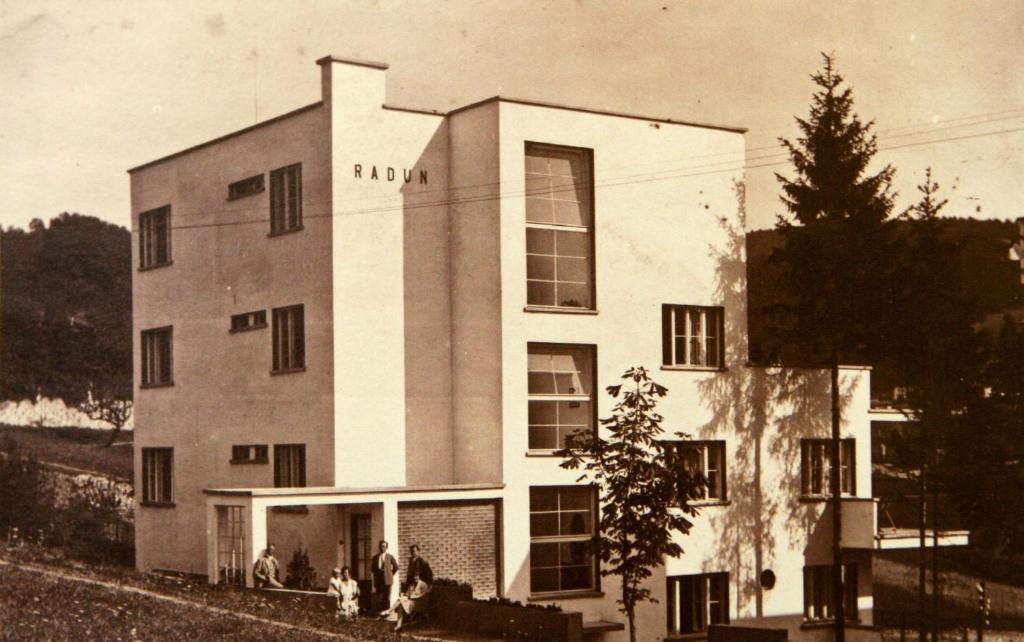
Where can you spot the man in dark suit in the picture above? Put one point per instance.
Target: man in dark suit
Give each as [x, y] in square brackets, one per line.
[418, 567]
[384, 567]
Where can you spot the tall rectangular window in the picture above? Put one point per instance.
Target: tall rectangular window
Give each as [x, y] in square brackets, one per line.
[816, 467]
[820, 599]
[289, 338]
[697, 601]
[559, 227]
[286, 199]
[708, 459]
[691, 336]
[155, 237]
[289, 465]
[560, 385]
[157, 363]
[157, 475]
[562, 531]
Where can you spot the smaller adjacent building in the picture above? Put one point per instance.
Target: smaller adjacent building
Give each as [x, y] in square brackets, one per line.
[358, 321]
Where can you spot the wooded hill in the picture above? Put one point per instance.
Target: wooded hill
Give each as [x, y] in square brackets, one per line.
[65, 308]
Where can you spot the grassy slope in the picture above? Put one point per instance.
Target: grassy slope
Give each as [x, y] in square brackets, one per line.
[76, 447]
[36, 607]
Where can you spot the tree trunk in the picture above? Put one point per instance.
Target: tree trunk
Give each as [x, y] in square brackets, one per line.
[935, 554]
[922, 490]
[837, 510]
[113, 435]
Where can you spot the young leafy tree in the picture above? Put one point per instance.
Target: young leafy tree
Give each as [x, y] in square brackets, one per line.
[644, 490]
[835, 253]
[109, 405]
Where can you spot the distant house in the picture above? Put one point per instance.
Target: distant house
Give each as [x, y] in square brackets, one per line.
[357, 322]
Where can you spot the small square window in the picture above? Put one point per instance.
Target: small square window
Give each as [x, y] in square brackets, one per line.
[691, 336]
[697, 601]
[706, 458]
[816, 467]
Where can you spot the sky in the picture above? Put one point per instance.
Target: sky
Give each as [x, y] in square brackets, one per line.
[90, 89]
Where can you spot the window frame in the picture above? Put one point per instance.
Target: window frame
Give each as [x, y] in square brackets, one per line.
[279, 453]
[149, 245]
[559, 398]
[590, 538]
[279, 345]
[819, 602]
[702, 588]
[586, 155]
[255, 320]
[249, 186]
[148, 344]
[158, 476]
[669, 357]
[282, 219]
[816, 468]
[255, 454]
[705, 447]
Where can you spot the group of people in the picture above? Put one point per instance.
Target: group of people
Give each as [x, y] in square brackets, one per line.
[383, 567]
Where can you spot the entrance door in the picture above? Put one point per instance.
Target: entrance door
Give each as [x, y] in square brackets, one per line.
[360, 556]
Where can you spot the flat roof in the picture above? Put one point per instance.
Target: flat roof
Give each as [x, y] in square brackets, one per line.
[348, 490]
[601, 112]
[430, 112]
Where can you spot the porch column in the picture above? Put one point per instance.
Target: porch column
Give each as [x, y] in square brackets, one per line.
[390, 507]
[212, 572]
[256, 536]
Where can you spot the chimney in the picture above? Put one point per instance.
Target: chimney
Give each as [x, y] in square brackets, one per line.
[352, 85]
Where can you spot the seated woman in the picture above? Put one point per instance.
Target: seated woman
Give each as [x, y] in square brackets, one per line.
[346, 590]
[408, 603]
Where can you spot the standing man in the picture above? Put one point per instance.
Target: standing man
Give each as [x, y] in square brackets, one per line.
[418, 567]
[265, 570]
[384, 567]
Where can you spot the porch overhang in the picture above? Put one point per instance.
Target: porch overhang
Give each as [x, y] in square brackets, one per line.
[252, 505]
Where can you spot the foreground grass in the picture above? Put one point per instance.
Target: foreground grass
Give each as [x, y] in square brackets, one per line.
[38, 607]
[83, 448]
[295, 612]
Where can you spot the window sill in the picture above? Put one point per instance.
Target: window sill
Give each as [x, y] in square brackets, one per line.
[542, 453]
[564, 595]
[158, 504]
[815, 499]
[290, 230]
[155, 266]
[247, 328]
[711, 502]
[285, 371]
[249, 461]
[162, 384]
[298, 510]
[694, 368]
[559, 310]
[686, 637]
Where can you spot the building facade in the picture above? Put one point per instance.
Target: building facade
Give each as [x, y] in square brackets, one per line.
[357, 322]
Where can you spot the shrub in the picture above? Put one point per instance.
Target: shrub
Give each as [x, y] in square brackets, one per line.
[301, 574]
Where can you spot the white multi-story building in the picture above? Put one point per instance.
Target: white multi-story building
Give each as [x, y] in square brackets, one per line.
[357, 322]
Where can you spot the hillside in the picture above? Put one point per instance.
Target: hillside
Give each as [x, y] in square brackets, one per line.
[65, 308]
[988, 275]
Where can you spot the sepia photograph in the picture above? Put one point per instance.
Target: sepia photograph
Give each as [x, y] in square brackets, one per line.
[537, 320]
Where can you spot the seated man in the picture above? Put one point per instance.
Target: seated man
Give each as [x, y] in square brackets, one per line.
[265, 570]
[408, 603]
[346, 591]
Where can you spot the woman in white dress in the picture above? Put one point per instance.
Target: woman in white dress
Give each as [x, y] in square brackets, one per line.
[408, 603]
[346, 591]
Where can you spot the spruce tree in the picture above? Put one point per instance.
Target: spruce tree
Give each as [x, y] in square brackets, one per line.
[835, 255]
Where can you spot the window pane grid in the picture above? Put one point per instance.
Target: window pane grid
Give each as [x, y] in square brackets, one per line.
[156, 356]
[560, 380]
[154, 237]
[286, 198]
[697, 601]
[561, 539]
[816, 468]
[157, 475]
[289, 338]
[559, 215]
[708, 459]
[231, 544]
